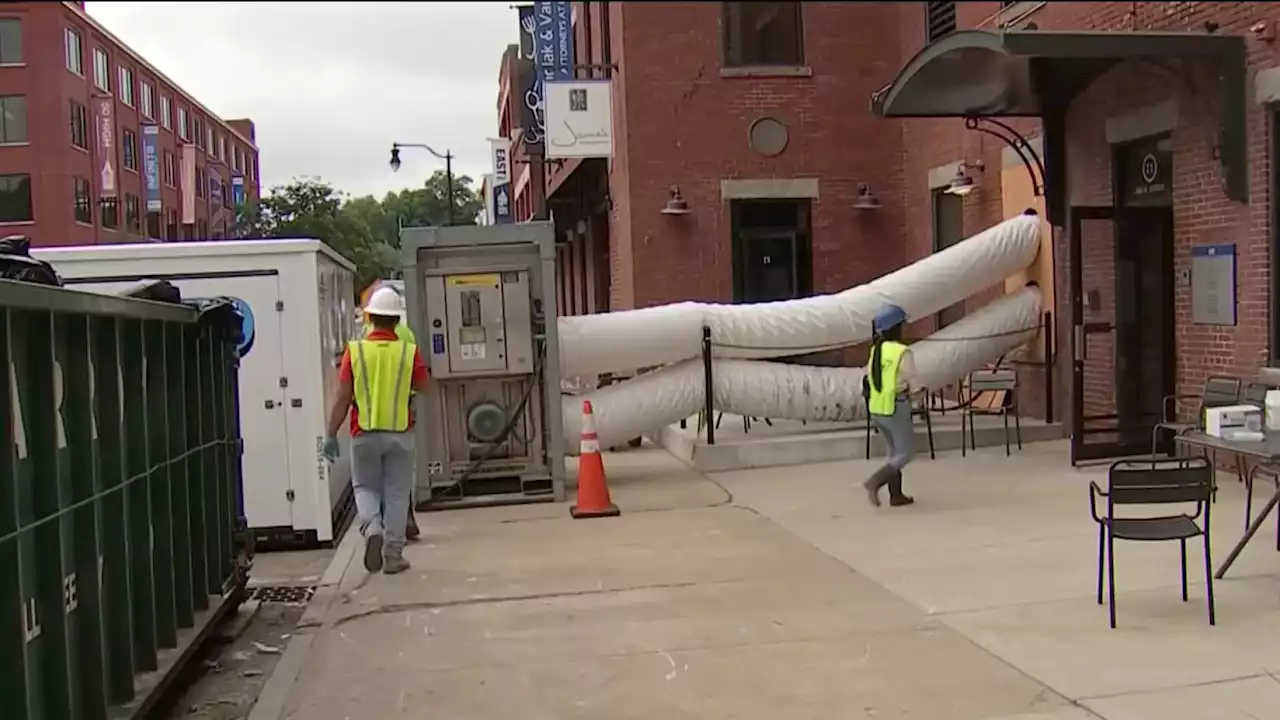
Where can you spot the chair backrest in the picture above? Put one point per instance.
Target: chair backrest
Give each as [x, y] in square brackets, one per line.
[1144, 482]
[1220, 390]
[1256, 394]
[985, 380]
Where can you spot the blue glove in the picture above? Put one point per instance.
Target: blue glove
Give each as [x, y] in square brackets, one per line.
[330, 449]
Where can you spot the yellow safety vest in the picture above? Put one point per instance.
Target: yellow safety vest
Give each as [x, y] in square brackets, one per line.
[402, 331]
[885, 400]
[382, 376]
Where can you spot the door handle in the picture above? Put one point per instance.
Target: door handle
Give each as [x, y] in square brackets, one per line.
[1081, 351]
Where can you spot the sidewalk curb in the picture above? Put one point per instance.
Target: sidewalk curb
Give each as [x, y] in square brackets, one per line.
[270, 704]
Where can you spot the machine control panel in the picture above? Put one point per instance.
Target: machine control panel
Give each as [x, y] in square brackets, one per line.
[479, 323]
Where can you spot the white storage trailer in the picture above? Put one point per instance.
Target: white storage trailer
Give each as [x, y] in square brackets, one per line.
[299, 298]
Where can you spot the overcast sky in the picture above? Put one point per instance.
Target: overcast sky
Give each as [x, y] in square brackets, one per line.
[331, 85]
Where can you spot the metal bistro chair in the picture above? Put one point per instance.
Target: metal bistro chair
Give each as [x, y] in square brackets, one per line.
[1129, 482]
[917, 411]
[1003, 401]
[1254, 394]
[1219, 391]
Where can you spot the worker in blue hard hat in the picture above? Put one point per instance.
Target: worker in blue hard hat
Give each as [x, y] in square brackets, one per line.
[887, 386]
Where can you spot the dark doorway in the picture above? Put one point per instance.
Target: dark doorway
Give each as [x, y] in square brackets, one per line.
[948, 229]
[1123, 320]
[772, 250]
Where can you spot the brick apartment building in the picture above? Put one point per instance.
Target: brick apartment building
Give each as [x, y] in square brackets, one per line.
[74, 102]
[1150, 134]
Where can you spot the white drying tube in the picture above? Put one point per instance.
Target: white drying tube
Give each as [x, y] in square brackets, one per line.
[631, 339]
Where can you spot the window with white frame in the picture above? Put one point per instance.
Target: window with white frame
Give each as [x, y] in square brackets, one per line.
[184, 130]
[166, 113]
[222, 148]
[101, 70]
[148, 99]
[125, 91]
[74, 45]
[208, 139]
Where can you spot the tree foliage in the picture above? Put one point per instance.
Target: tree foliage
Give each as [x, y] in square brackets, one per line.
[365, 230]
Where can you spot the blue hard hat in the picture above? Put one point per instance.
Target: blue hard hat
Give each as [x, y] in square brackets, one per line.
[889, 316]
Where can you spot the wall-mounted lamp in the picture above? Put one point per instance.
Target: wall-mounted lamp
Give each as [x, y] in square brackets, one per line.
[675, 204]
[866, 199]
[963, 183]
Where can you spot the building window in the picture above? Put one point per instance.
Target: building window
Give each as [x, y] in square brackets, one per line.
[15, 199]
[251, 169]
[202, 230]
[74, 46]
[199, 181]
[13, 119]
[171, 226]
[184, 128]
[110, 212]
[79, 126]
[166, 113]
[83, 202]
[126, 86]
[170, 171]
[133, 213]
[222, 148]
[101, 70]
[763, 34]
[208, 138]
[10, 41]
[153, 225]
[129, 148]
[148, 100]
[197, 130]
[940, 19]
[238, 165]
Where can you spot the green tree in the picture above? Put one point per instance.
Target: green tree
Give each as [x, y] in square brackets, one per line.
[416, 207]
[311, 208]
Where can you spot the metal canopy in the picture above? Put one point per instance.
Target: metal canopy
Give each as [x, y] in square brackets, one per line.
[1031, 73]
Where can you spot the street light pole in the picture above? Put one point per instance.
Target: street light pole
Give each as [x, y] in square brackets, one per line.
[446, 156]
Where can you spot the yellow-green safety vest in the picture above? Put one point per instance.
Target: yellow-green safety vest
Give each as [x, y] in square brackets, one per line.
[884, 401]
[382, 378]
[402, 331]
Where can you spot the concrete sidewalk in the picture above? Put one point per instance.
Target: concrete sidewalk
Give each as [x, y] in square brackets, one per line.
[687, 606]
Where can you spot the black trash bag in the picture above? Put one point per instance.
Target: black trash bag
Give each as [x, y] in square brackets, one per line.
[16, 263]
[158, 290]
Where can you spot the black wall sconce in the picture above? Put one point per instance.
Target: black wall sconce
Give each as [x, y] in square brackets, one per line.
[963, 183]
[867, 200]
[676, 204]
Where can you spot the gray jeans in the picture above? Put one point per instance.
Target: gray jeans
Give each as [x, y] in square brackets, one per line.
[898, 433]
[381, 478]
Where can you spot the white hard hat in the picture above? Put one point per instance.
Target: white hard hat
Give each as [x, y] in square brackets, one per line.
[384, 301]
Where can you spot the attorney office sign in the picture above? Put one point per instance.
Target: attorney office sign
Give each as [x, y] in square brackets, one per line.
[579, 116]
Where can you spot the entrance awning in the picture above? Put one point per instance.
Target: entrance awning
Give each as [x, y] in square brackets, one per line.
[1030, 73]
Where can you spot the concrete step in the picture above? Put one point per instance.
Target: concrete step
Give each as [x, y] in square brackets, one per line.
[758, 444]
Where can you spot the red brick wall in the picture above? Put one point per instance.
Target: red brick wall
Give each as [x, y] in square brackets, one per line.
[686, 125]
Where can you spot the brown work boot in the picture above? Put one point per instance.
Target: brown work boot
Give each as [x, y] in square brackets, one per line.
[896, 496]
[411, 531]
[394, 564]
[878, 479]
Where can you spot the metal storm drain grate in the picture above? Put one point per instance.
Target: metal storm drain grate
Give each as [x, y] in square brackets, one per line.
[283, 594]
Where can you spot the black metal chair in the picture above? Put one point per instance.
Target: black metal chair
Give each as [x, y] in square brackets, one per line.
[1254, 394]
[1219, 391]
[917, 411]
[1184, 481]
[1001, 387]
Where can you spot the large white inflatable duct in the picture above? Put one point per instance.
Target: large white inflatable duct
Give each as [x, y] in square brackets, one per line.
[630, 339]
[776, 390]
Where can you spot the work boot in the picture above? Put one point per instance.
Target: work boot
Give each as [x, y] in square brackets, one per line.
[394, 564]
[896, 497]
[373, 553]
[878, 479]
[411, 531]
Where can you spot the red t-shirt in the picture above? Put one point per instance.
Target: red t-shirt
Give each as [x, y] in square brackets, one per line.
[345, 375]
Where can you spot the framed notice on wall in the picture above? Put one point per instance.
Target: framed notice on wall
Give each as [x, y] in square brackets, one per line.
[1213, 284]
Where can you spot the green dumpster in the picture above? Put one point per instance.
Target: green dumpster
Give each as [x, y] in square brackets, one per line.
[121, 530]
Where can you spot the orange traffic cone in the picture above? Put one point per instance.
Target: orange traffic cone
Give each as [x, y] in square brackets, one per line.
[593, 488]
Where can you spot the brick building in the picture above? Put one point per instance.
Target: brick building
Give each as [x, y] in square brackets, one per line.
[75, 101]
[1148, 150]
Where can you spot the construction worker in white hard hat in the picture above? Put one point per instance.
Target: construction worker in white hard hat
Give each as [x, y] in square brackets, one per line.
[375, 383]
